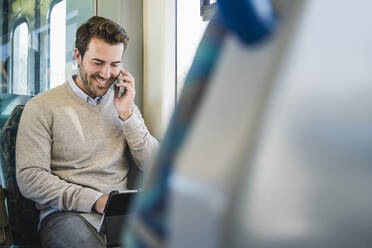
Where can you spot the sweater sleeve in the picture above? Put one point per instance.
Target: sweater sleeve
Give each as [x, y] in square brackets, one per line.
[33, 165]
[141, 143]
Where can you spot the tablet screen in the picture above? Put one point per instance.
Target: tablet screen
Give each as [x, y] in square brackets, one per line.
[119, 204]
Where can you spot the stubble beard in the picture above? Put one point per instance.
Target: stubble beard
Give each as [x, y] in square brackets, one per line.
[89, 88]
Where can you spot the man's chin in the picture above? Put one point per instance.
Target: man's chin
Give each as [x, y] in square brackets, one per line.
[101, 92]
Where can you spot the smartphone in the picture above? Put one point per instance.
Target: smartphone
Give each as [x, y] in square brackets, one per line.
[121, 89]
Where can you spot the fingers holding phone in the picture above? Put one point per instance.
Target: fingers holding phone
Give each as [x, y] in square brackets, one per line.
[121, 89]
[123, 83]
[124, 94]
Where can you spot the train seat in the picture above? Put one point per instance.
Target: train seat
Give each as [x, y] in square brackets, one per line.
[23, 215]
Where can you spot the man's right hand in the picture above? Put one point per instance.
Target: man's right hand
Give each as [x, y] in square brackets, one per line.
[100, 204]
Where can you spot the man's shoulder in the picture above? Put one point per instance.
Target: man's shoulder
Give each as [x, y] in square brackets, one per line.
[48, 100]
[51, 96]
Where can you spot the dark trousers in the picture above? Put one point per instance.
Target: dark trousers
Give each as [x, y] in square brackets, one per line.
[68, 229]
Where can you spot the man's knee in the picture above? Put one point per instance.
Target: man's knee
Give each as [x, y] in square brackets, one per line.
[68, 229]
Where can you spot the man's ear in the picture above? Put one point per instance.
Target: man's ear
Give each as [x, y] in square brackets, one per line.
[77, 56]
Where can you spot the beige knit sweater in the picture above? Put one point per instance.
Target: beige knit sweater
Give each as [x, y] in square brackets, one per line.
[68, 151]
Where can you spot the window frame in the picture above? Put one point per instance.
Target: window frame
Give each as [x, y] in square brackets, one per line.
[51, 6]
[17, 23]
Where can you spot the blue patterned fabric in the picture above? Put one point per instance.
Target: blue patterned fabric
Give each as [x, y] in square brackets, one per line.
[148, 227]
[23, 215]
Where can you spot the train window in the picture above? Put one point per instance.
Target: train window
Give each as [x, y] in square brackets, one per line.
[57, 44]
[20, 58]
[190, 28]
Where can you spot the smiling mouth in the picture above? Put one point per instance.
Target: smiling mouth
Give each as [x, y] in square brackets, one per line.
[102, 83]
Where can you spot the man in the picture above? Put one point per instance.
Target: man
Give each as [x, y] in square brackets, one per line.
[72, 139]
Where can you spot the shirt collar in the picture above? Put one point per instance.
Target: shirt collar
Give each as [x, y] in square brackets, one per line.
[82, 94]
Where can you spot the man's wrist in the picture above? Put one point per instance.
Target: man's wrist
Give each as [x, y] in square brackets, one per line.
[125, 116]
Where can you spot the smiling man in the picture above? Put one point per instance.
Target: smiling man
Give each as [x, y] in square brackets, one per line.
[72, 140]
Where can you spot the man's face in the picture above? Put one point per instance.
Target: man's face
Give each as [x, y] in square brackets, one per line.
[99, 67]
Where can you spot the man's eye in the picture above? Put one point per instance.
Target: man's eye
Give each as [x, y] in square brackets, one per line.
[98, 63]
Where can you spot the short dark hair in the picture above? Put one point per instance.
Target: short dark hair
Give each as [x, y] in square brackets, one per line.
[102, 28]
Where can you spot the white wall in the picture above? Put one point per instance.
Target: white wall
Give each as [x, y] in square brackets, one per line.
[159, 63]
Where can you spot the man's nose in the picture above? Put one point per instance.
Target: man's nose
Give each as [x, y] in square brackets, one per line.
[106, 71]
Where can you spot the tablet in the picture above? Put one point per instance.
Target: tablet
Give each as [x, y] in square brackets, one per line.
[118, 206]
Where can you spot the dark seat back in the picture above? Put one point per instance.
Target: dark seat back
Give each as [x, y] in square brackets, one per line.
[23, 215]
[135, 175]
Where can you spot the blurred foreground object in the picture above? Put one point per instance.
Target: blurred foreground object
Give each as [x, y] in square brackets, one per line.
[279, 151]
[150, 225]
